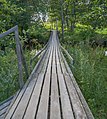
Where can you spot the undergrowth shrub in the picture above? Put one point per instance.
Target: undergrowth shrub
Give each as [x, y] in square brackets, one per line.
[86, 35]
[90, 71]
[9, 74]
[40, 33]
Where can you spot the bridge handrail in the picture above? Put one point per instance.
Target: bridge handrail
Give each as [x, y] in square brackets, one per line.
[66, 52]
[83, 101]
[37, 54]
[20, 56]
[40, 51]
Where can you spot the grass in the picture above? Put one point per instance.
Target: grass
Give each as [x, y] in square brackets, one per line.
[9, 83]
[90, 66]
[83, 33]
[8, 75]
[90, 71]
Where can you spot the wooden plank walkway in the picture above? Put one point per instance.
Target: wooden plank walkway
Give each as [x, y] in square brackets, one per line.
[51, 91]
[4, 106]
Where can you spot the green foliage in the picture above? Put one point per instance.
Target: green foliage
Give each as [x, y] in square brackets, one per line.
[78, 35]
[93, 13]
[96, 17]
[9, 76]
[22, 13]
[83, 21]
[85, 34]
[90, 69]
[38, 32]
[10, 15]
[30, 18]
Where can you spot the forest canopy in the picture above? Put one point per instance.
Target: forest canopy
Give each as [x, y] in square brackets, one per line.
[66, 12]
[82, 26]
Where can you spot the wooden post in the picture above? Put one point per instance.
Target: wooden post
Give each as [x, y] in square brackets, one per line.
[62, 18]
[56, 24]
[18, 50]
[20, 55]
[24, 62]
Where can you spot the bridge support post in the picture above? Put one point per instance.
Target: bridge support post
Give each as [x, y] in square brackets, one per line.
[20, 55]
[18, 50]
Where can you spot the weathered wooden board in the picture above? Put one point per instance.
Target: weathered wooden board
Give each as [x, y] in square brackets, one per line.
[65, 102]
[52, 93]
[6, 103]
[18, 100]
[81, 97]
[55, 104]
[34, 101]
[4, 106]
[44, 101]
[75, 102]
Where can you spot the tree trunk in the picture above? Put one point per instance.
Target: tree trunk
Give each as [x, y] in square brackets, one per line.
[73, 17]
[67, 21]
[62, 18]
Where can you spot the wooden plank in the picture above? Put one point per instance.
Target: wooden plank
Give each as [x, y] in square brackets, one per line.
[6, 103]
[13, 100]
[69, 56]
[43, 106]
[65, 102]
[9, 31]
[33, 100]
[34, 72]
[55, 105]
[76, 104]
[19, 58]
[37, 68]
[3, 110]
[19, 55]
[32, 107]
[21, 93]
[2, 116]
[82, 99]
[15, 103]
[19, 113]
[24, 62]
[39, 52]
[21, 107]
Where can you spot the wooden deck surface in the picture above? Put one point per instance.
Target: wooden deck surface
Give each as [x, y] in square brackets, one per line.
[52, 92]
[4, 107]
